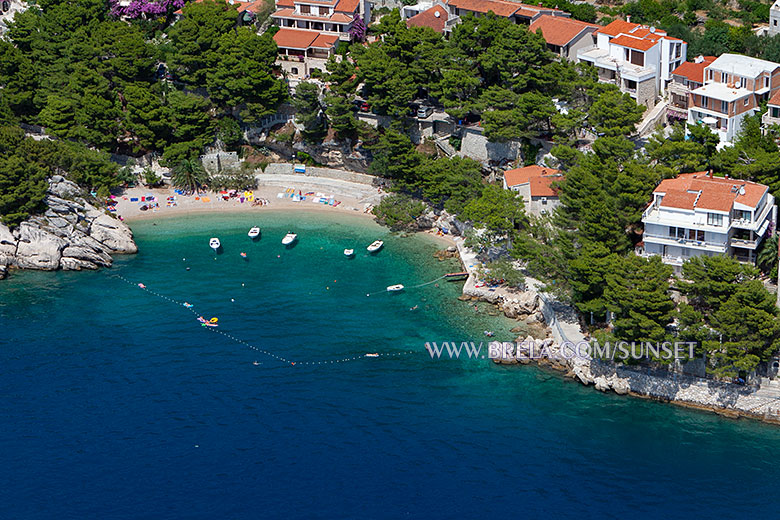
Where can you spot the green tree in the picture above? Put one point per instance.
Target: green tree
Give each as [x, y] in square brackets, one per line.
[190, 176]
[615, 114]
[22, 189]
[637, 293]
[196, 38]
[498, 212]
[308, 110]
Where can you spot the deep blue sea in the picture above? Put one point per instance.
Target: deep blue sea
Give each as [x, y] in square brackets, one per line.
[116, 404]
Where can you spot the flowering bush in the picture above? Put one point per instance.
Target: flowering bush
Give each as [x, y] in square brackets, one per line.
[150, 8]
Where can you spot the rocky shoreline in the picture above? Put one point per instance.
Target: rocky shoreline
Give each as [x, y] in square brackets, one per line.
[72, 235]
[560, 327]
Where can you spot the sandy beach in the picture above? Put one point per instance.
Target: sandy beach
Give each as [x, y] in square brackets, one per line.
[348, 197]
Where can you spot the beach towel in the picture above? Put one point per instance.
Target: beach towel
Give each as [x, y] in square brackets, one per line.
[133, 199]
[206, 199]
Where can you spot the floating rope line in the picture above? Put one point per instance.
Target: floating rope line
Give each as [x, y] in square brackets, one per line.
[240, 341]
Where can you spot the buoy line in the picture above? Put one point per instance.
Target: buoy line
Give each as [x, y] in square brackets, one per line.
[248, 345]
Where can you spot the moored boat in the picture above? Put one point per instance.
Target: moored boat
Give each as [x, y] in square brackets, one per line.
[254, 232]
[289, 238]
[215, 244]
[349, 252]
[375, 246]
[395, 288]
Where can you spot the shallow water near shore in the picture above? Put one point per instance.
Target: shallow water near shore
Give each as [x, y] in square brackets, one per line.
[117, 404]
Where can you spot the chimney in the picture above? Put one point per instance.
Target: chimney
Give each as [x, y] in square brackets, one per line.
[709, 172]
[628, 18]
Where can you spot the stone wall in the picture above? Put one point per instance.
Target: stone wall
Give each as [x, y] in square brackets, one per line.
[330, 173]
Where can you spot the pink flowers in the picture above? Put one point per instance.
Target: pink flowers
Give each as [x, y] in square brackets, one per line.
[150, 8]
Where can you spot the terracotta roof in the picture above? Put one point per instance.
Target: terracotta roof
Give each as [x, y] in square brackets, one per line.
[325, 41]
[618, 27]
[347, 6]
[639, 44]
[428, 18]
[483, 6]
[295, 38]
[699, 190]
[775, 99]
[538, 177]
[254, 7]
[285, 3]
[542, 186]
[558, 30]
[290, 13]
[693, 71]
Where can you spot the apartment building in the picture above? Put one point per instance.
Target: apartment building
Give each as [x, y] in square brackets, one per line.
[772, 115]
[685, 78]
[698, 214]
[311, 29]
[638, 59]
[734, 86]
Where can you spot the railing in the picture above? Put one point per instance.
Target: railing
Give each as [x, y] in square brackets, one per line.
[686, 241]
[743, 242]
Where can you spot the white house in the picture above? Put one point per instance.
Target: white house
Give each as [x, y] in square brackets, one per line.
[774, 18]
[698, 214]
[637, 58]
[535, 184]
[734, 87]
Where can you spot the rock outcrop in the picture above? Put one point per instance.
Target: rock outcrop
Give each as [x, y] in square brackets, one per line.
[72, 234]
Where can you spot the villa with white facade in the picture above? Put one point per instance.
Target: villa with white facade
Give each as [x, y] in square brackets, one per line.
[638, 59]
[734, 86]
[698, 214]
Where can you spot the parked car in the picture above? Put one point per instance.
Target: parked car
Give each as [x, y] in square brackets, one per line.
[424, 112]
[365, 107]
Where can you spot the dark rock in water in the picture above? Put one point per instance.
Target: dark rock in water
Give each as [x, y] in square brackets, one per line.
[3, 271]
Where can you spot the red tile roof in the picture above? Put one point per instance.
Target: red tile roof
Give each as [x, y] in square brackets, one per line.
[618, 27]
[538, 177]
[699, 190]
[302, 39]
[639, 44]
[347, 6]
[428, 18]
[558, 30]
[775, 99]
[693, 71]
[335, 17]
[254, 6]
[483, 6]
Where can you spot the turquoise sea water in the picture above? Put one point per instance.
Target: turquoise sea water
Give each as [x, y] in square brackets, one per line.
[115, 403]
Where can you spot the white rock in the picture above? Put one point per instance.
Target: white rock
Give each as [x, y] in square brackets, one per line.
[113, 233]
[601, 383]
[38, 249]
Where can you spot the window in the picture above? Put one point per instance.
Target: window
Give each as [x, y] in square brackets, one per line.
[774, 22]
[696, 234]
[710, 75]
[724, 107]
[324, 11]
[742, 215]
[766, 80]
[775, 112]
[305, 9]
[747, 101]
[294, 71]
[676, 232]
[714, 219]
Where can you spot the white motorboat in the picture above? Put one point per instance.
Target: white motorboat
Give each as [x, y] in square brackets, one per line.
[254, 232]
[214, 244]
[395, 288]
[289, 238]
[349, 252]
[375, 246]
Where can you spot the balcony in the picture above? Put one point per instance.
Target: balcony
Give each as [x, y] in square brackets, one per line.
[744, 243]
[767, 119]
[717, 247]
[678, 89]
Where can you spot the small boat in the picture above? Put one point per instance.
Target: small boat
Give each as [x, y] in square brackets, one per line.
[214, 244]
[188, 305]
[254, 232]
[372, 354]
[349, 252]
[395, 288]
[456, 276]
[489, 333]
[289, 238]
[375, 246]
